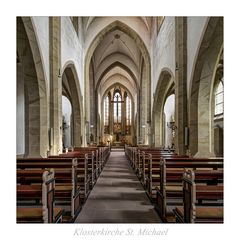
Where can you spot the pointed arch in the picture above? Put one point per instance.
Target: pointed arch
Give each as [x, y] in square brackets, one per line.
[36, 115]
[74, 92]
[203, 76]
[165, 87]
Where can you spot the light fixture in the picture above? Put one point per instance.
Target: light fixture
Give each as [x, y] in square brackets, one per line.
[59, 73]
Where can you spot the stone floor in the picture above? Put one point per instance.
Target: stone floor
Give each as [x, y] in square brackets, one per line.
[118, 196]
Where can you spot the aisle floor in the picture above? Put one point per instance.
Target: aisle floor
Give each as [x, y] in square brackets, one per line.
[118, 196]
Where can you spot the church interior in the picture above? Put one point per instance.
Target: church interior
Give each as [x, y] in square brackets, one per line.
[119, 119]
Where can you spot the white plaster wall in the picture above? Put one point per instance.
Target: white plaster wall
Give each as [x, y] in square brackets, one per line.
[20, 141]
[41, 25]
[71, 48]
[169, 111]
[195, 29]
[67, 112]
[163, 50]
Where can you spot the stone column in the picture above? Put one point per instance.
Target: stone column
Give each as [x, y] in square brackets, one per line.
[93, 103]
[55, 84]
[124, 117]
[111, 119]
[148, 104]
[180, 82]
[143, 113]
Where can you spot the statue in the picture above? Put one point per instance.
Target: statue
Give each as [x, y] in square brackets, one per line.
[91, 138]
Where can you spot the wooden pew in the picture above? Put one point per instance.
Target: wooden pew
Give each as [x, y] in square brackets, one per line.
[84, 173]
[102, 155]
[153, 177]
[171, 171]
[150, 161]
[139, 160]
[94, 164]
[152, 173]
[87, 171]
[134, 155]
[193, 211]
[67, 186]
[46, 212]
[130, 154]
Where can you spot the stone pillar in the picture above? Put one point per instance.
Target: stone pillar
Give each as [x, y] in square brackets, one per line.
[181, 82]
[55, 84]
[124, 117]
[143, 113]
[148, 104]
[111, 119]
[149, 133]
[93, 103]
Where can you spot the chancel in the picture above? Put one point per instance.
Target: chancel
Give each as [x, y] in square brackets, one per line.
[120, 119]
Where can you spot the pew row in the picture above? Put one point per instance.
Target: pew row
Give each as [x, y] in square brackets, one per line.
[193, 211]
[46, 212]
[86, 176]
[169, 192]
[67, 186]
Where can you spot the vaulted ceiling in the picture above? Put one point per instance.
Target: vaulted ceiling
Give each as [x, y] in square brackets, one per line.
[117, 42]
[118, 56]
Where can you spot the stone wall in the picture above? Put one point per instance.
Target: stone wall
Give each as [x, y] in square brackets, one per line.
[163, 50]
[42, 32]
[195, 30]
[72, 50]
[20, 113]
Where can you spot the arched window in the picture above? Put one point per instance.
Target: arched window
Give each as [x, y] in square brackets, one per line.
[66, 122]
[117, 107]
[106, 114]
[128, 115]
[219, 98]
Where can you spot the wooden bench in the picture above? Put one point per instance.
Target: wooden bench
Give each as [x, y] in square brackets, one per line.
[152, 172]
[134, 155]
[153, 176]
[86, 170]
[67, 186]
[171, 170]
[139, 160]
[93, 162]
[102, 154]
[150, 162]
[46, 212]
[193, 211]
[130, 154]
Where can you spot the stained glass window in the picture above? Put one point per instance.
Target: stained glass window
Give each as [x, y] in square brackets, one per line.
[117, 107]
[219, 99]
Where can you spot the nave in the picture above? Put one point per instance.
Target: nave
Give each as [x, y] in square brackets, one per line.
[153, 85]
[118, 196]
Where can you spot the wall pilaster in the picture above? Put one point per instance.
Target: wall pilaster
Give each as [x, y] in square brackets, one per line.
[55, 84]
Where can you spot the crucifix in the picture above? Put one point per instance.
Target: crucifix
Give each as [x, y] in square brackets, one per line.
[117, 114]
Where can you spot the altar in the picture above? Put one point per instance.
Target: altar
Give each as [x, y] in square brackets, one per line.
[118, 143]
